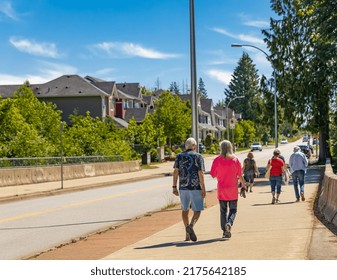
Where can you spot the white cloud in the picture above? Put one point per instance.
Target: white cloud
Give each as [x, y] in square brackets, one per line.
[104, 71]
[35, 48]
[54, 70]
[116, 49]
[46, 71]
[257, 23]
[7, 9]
[253, 23]
[219, 75]
[242, 37]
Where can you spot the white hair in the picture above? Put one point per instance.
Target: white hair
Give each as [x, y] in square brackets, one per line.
[189, 143]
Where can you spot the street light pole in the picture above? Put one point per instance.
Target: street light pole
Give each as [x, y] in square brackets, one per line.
[275, 96]
[195, 133]
[61, 151]
[236, 97]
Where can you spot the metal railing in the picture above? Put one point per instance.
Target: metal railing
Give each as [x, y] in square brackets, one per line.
[50, 161]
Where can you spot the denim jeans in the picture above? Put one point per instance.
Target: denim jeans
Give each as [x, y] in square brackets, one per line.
[226, 217]
[298, 179]
[276, 183]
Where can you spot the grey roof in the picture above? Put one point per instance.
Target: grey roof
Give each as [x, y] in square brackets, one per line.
[93, 79]
[137, 113]
[158, 92]
[108, 87]
[220, 112]
[131, 89]
[185, 97]
[149, 100]
[206, 105]
[124, 95]
[7, 91]
[68, 86]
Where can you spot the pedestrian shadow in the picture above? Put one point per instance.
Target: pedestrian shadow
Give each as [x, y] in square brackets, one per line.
[181, 244]
[276, 204]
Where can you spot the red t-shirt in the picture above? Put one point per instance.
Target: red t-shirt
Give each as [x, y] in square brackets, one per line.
[276, 166]
[227, 172]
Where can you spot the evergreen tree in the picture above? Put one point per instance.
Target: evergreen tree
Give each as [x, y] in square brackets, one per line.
[201, 89]
[245, 82]
[174, 87]
[303, 54]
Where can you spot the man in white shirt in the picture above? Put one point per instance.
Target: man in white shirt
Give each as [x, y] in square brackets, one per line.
[298, 164]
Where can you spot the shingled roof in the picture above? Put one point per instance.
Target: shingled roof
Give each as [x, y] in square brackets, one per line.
[130, 89]
[68, 86]
[137, 113]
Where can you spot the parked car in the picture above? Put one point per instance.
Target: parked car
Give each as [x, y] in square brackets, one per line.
[256, 146]
[305, 149]
[201, 148]
[284, 141]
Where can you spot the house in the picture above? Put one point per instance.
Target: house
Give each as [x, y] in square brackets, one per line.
[120, 101]
[207, 118]
[70, 93]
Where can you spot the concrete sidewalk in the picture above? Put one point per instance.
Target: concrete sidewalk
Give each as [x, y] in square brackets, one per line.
[262, 231]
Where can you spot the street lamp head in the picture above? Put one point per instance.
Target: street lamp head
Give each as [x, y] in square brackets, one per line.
[236, 45]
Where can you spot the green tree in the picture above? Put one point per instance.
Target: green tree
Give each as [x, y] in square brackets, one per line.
[245, 82]
[174, 87]
[238, 133]
[249, 131]
[173, 116]
[150, 134]
[88, 136]
[202, 89]
[30, 128]
[303, 56]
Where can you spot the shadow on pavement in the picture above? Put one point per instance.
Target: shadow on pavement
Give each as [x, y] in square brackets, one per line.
[182, 244]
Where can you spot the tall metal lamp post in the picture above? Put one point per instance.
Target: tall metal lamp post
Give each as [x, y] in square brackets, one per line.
[227, 117]
[195, 133]
[61, 151]
[275, 97]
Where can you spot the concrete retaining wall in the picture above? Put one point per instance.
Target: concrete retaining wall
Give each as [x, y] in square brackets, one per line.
[327, 201]
[22, 176]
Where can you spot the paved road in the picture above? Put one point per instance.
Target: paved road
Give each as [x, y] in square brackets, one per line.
[31, 226]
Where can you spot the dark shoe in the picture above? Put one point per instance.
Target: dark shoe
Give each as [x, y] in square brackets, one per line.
[188, 238]
[227, 231]
[297, 200]
[302, 196]
[273, 200]
[226, 234]
[191, 232]
[228, 227]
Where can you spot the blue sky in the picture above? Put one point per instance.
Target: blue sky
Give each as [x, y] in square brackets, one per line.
[143, 41]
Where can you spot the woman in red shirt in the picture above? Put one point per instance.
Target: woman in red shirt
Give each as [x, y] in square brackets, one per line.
[277, 166]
